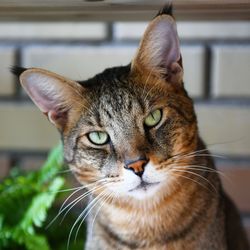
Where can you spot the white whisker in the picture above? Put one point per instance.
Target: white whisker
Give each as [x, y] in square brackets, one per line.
[103, 203]
[77, 200]
[69, 189]
[102, 198]
[81, 188]
[186, 177]
[64, 171]
[74, 202]
[198, 175]
[146, 82]
[82, 214]
[204, 168]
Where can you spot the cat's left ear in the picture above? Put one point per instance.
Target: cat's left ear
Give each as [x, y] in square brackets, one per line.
[159, 50]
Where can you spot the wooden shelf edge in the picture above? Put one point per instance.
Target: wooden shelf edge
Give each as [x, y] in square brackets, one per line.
[122, 11]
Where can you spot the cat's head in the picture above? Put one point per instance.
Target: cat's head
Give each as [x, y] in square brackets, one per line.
[125, 127]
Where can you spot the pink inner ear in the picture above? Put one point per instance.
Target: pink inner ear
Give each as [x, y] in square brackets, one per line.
[168, 41]
[49, 106]
[57, 117]
[172, 53]
[164, 43]
[43, 101]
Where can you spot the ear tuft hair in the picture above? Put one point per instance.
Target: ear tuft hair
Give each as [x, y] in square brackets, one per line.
[16, 70]
[166, 10]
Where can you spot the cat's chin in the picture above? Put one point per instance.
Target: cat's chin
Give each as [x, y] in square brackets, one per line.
[144, 190]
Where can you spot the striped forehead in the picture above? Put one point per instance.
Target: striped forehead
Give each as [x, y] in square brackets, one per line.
[120, 106]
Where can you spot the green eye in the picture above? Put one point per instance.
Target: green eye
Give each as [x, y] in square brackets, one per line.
[153, 118]
[98, 137]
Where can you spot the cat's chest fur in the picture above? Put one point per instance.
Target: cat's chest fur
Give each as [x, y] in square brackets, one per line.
[179, 221]
[142, 236]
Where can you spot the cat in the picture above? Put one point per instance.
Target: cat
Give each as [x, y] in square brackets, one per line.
[130, 135]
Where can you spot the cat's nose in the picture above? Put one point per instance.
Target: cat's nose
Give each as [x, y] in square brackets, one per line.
[137, 166]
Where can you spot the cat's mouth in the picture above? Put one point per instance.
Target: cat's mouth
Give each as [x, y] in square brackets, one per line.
[144, 186]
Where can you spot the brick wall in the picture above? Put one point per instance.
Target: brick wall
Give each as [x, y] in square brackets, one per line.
[217, 71]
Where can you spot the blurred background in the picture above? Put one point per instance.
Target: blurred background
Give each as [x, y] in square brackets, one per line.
[216, 55]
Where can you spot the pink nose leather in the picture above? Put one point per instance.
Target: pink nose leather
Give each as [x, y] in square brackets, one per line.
[137, 167]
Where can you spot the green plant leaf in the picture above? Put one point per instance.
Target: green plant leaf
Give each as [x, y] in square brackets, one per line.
[36, 242]
[25, 201]
[36, 214]
[53, 164]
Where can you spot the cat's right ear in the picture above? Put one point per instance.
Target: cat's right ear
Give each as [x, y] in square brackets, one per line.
[159, 50]
[54, 95]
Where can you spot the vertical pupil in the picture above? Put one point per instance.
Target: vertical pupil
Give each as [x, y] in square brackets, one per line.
[99, 136]
[152, 115]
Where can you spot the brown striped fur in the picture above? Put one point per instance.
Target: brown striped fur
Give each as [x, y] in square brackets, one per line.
[184, 207]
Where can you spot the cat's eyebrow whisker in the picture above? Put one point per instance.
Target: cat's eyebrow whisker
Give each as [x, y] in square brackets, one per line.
[146, 94]
[146, 82]
[151, 89]
[195, 174]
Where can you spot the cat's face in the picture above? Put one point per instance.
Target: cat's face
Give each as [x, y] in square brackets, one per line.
[137, 121]
[124, 128]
